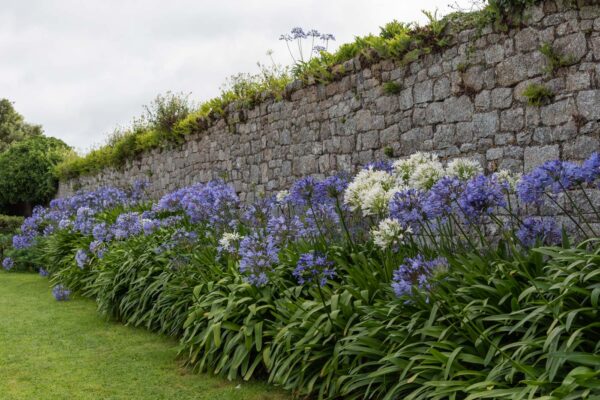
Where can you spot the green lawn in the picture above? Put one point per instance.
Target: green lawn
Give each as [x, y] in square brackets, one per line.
[65, 350]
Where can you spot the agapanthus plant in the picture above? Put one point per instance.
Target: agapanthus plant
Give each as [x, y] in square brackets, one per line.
[416, 272]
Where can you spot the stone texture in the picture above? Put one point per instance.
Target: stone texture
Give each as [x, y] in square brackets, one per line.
[465, 101]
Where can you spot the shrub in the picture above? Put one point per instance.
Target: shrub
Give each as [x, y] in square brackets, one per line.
[26, 171]
[9, 224]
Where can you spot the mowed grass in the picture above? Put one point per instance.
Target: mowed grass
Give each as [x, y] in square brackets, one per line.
[65, 350]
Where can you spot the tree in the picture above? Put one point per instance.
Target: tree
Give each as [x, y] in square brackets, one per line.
[13, 127]
[26, 172]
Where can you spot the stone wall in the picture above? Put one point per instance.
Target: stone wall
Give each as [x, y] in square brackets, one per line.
[463, 101]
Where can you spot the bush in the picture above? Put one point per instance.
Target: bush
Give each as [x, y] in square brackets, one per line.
[10, 224]
[26, 171]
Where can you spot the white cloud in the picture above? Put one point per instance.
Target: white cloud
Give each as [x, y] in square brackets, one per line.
[81, 68]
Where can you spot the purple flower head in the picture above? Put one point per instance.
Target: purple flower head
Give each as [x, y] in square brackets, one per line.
[48, 230]
[22, 241]
[407, 207]
[298, 33]
[539, 231]
[259, 212]
[43, 272]
[481, 196]
[81, 258]
[97, 248]
[258, 255]
[100, 232]
[416, 272]
[318, 49]
[127, 225]
[150, 226]
[331, 187]
[314, 268]
[61, 293]
[591, 168]
[212, 203]
[313, 33]
[285, 229]
[327, 36]
[442, 198]
[8, 263]
[304, 192]
[550, 178]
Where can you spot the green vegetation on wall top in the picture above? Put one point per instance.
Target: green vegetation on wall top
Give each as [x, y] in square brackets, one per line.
[172, 116]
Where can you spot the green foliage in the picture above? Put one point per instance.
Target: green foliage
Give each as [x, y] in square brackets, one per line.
[555, 59]
[388, 151]
[13, 127]
[26, 170]
[62, 350]
[168, 118]
[391, 88]
[538, 95]
[9, 223]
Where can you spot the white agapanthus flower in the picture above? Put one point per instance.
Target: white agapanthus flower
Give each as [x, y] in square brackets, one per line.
[506, 177]
[426, 175]
[370, 191]
[404, 168]
[463, 168]
[389, 233]
[376, 200]
[282, 195]
[228, 241]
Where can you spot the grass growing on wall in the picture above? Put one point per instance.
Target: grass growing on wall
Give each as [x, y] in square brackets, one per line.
[405, 42]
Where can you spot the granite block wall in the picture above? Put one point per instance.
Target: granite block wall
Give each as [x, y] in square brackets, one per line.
[464, 101]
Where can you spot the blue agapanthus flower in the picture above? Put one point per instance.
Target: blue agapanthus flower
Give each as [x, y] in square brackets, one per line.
[442, 199]
[43, 272]
[61, 293]
[407, 207]
[314, 268]
[481, 196]
[539, 231]
[416, 273]
[81, 258]
[258, 255]
[550, 178]
[8, 263]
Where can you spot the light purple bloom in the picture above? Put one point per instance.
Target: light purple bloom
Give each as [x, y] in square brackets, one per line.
[61, 293]
[314, 268]
[8, 263]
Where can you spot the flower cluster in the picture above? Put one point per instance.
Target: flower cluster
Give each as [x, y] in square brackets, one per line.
[390, 234]
[81, 258]
[8, 263]
[416, 272]
[542, 231]
[314, 268]
[61, 293]
[257, 257]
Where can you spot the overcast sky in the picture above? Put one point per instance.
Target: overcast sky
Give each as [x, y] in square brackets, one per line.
[82, 68]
